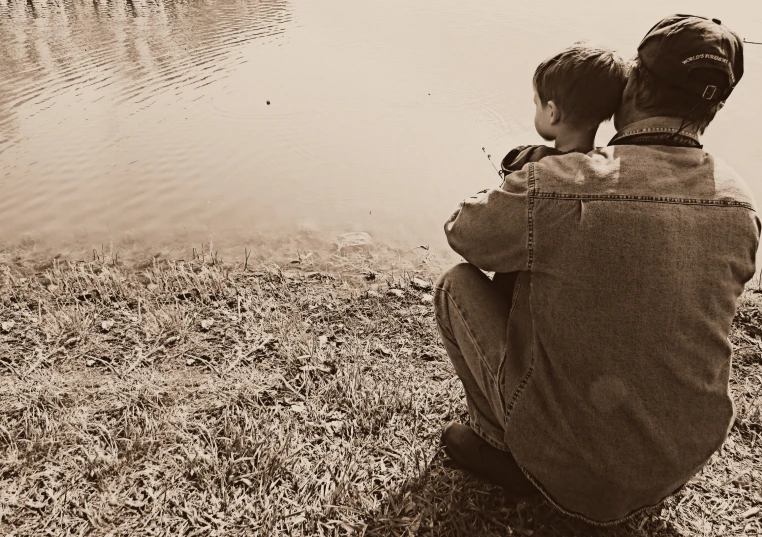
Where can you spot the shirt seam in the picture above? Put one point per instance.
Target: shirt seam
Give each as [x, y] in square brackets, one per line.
[652, 199]
[501, 368]
[530, 208]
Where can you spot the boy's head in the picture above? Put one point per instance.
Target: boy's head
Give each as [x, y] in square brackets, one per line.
[579, 87]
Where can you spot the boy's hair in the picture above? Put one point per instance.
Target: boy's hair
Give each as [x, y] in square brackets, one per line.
[585, 82]
[659, 97]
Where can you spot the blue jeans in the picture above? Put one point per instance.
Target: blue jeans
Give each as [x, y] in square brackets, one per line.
[472, 316]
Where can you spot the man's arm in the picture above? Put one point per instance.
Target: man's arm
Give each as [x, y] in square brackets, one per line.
[490, 230]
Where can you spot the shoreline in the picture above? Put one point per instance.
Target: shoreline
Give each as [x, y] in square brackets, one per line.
[349, 251]
[298, 398]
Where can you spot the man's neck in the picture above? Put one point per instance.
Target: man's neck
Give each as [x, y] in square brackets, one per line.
[660, 130]
[632, 115]
[576, 140]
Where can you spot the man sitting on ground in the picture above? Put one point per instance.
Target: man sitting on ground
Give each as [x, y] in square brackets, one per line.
[601, 380]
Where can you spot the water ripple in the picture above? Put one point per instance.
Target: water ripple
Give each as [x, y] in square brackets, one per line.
[51, 48]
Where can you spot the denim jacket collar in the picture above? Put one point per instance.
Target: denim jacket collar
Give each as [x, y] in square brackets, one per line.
[657, 129]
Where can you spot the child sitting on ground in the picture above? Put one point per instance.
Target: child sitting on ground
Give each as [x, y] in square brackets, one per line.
[574, 92]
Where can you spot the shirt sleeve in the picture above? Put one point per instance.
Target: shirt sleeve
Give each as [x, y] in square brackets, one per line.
[517, 158]
[491, 230]
[509, 164]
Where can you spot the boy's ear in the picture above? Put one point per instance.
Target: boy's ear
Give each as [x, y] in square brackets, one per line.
[555, 113]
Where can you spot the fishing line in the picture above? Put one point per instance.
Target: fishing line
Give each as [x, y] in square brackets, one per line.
[489, 157]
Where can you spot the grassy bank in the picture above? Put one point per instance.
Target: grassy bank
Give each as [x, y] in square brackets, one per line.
[301, 398]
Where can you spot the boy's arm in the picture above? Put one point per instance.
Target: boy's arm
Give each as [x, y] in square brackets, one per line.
[490, 230]
[517, 158]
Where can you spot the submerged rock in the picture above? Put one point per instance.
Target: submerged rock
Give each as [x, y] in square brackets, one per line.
[354, 239]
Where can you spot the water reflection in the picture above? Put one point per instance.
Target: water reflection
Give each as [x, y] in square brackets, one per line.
[138, 48]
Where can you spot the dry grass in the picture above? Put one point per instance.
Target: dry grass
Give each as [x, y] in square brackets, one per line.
[301, 399]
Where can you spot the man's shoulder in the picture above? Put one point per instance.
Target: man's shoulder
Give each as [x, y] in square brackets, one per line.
[577, 171]
[642, 171]
[730, 185]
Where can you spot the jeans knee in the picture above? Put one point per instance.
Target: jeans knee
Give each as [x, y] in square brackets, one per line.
[458, 276]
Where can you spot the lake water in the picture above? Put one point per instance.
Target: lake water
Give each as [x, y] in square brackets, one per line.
[150, 118]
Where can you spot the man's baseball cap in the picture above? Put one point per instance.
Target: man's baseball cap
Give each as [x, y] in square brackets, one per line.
[680, 44]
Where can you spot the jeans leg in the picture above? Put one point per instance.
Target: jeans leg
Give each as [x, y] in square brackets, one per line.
[472, 316]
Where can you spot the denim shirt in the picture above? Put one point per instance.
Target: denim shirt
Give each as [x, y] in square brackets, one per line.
[631, 259]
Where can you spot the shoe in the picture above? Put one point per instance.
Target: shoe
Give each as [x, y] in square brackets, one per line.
[474, 454]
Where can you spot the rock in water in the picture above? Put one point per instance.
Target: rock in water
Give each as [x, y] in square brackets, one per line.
[354, 239]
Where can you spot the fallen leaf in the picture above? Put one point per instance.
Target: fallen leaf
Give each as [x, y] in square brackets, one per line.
[299, 407]
[397, 292]
[206, 324]
[751, 512]
[329, 368]
[152, 287]
[430, 356]
[52, 288]
[91, 294]
[383, 350]
[297, 520]
[188, 294]
[418, 283]
[334, 426]
[107, 325]
[427, 299]
[7, 326]
[323, 340]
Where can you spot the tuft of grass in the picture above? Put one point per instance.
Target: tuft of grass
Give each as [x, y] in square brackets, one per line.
[207, 398]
